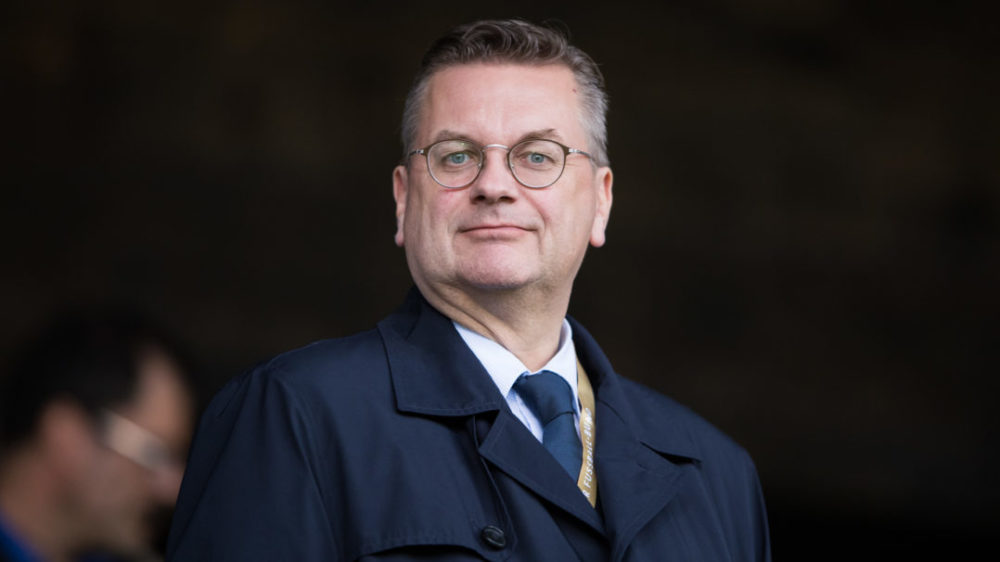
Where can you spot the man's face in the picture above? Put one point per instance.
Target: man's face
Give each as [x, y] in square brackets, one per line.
[497, 234]
[135, 471]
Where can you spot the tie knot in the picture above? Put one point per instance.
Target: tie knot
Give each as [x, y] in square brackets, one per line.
[547, 394]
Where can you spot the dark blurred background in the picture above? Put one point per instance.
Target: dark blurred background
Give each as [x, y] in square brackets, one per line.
[803, 248]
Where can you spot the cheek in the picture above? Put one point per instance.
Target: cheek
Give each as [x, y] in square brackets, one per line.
[121, 480]
[112, 495]
[567, 217]
[431, 216]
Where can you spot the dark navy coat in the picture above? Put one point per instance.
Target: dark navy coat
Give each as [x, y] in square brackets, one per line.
[395, 444]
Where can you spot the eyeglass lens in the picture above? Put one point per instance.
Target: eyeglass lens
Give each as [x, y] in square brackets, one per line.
[135, 442]
[534, 162]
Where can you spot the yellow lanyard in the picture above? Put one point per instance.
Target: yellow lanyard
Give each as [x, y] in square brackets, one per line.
[588, 478]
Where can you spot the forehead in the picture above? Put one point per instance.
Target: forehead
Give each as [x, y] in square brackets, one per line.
[500, 103]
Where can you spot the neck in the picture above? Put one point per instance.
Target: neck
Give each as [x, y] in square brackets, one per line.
[526, 324]
[29, 504]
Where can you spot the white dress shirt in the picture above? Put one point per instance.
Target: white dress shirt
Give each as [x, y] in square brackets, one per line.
[504, 368]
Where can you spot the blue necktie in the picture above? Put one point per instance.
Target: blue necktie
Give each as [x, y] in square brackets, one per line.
[551, 399]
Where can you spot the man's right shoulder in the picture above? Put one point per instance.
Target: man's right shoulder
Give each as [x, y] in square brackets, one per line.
[323, 359]
[332, 370]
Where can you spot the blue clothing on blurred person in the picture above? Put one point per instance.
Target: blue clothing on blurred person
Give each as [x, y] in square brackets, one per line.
[12, 549]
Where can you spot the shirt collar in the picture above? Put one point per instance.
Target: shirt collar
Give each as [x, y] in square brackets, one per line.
[505, 368]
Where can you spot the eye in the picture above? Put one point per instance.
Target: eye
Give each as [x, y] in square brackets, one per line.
[454, 156]
[537, 155]
[457, 158]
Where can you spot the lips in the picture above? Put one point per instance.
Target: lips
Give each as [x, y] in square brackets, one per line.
[494, 223]
[496, 232]
[491, 228]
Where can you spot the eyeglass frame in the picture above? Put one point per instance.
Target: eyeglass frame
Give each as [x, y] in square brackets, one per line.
[136, 443]
[425, 151]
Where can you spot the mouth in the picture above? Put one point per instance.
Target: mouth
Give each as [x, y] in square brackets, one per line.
[494, 231]
[492, 228]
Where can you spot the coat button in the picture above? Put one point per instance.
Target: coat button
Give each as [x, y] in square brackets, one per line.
[493, 537]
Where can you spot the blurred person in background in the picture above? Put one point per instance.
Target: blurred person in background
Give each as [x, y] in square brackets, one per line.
[95, 417]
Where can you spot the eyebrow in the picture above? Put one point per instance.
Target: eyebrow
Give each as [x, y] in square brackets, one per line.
[447, 134]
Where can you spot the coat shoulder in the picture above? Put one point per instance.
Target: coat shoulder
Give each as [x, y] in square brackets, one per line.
[343, 357]
[320, 376]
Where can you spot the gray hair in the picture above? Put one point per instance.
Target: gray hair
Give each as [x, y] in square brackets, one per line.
[520, 42]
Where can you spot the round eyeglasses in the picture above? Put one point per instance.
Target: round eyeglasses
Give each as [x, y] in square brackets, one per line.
[535, 163]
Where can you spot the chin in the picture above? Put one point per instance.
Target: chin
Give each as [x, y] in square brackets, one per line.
[494, 286]
[493, 280]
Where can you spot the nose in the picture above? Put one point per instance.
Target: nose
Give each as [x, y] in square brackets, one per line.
[496, 181]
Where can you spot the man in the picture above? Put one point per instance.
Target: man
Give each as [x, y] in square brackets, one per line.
[463, 427]
[94, 416]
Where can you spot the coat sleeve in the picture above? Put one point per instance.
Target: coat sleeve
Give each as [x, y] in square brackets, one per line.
[250, 491]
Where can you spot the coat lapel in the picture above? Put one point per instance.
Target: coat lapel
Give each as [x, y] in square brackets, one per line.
[638, 470]
[635, 482]
[512, 448]
[434, 373]
[638, 464]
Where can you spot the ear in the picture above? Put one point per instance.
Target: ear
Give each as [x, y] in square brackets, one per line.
[602, 183]
[400, 186]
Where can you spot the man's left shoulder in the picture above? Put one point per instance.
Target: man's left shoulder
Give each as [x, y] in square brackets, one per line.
[721, 479]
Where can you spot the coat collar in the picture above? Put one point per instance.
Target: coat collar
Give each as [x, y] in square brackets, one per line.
[659, 429]
[640, 448]
[435, 373]
[642, 445]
